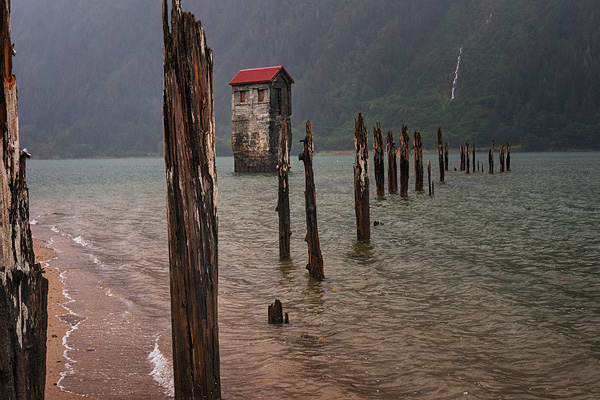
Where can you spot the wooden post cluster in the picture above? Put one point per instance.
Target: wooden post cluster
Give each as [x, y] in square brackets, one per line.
[283, 199]
[441, 154]
[315, 259]
[418, 147]
[189, 146]
[446, 156]
[404, 160]
[378, 161]
[361, 180]
[507, 156]
[23, 289]
[391, 162]
[501, 158]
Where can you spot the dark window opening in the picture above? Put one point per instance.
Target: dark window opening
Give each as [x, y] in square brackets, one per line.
[261, 95]
[278, 101]
[242, 97]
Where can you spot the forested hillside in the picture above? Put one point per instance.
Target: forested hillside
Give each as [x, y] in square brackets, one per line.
[90, 73]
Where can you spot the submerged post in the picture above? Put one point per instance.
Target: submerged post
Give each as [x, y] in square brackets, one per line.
[446, 156]
[189, 143]
[361, 180]
[418, 146]
[391, 162]
[378, 160]
[23, 289]
[468, 165]
[404, 160]
[283, 198]
[429, 175]
[315, 259]
[441, 154]
[507, 156]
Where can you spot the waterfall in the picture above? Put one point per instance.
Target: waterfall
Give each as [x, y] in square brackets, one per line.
[456, 75]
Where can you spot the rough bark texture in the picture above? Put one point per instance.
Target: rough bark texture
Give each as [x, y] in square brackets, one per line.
[23, 289]
[507, 156]
[441, 154]
[192, 199]
[391, 163]
[446, 156]
[378, 160]
[283, 200]
[404, 161]
[418, 146]
[468, 163]
[315, 259]
[361, 180]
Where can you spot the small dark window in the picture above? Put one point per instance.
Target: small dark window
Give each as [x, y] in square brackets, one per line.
[261, 94]
[243, 96]
[278, 101]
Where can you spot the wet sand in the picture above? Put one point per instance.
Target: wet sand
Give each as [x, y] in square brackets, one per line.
[55, 361]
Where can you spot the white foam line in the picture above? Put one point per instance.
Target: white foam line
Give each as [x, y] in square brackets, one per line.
[162, 372]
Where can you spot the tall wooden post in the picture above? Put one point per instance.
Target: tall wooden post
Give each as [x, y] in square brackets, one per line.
[501, 158]
[507, 156]
[361, 180]
[23, 289]
[441, 154]
[391, 162]
[492, 158]
[446, 156]
[189, 146]
[283, 199]
[468, 163]
[429, 175]
[315, 259]
[378, 161]
[473, 157]
[404, 160]
[418, 146]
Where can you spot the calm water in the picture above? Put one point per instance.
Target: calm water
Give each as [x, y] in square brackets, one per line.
[489, 289]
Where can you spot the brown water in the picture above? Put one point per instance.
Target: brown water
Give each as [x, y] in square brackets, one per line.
[489, 289]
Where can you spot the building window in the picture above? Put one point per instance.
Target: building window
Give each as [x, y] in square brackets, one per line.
[242, 96]
[278, 101]
[261, 94]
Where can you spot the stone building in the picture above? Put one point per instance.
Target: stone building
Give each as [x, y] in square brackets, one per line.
[261, 100]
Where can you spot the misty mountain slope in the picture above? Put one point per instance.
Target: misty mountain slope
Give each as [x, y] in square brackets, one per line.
[90, 73]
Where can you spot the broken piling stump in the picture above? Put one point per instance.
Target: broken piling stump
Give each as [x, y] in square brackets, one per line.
[418, 146]
[361, 180]
[391, 162]
[283, 199]
[189, 151]
[315, 259]
[378, 160]
[276, 313]
[23, 289]
[507, 156]
[501, 158]
[429, 175]
[441, 154]
[404, 160]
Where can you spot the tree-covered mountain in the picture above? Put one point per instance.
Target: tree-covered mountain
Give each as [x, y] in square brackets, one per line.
[90, 73]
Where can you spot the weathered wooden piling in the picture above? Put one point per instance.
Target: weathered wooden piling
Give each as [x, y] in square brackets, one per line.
[490, 162]
[23, 289]
[492, 158]
[446, 156]
[378, 161]
[391, 162]
[361, 180]
[283, 199]
[315, 259]
[441, 154]
[429, 175]
[418, 146]
[473, 157]
[192, 201]
[404, 160]
[467, 165]
[507, 156]
[276, 312]
[501, 158]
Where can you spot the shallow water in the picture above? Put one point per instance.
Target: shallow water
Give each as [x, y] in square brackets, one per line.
[488, 289]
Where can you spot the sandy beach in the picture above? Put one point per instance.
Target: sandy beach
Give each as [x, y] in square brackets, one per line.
[55, 361]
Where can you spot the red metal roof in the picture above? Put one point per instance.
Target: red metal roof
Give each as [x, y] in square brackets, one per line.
[258, 75]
